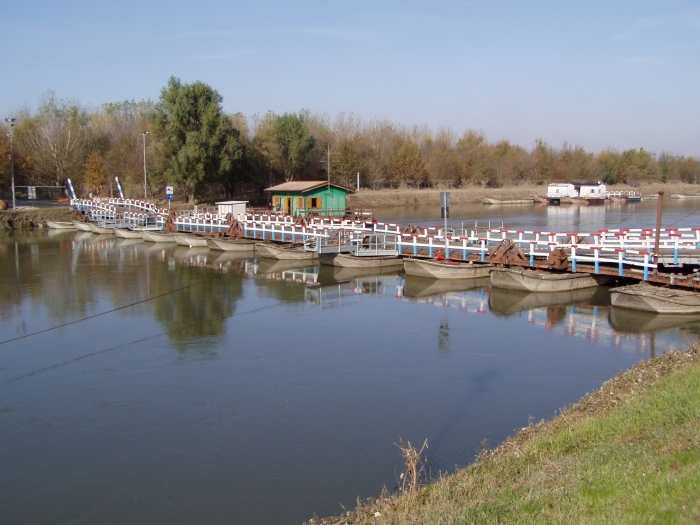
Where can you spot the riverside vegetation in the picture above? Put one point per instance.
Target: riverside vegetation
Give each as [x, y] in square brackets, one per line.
[33, 218]
[207, 154]
[626, 453]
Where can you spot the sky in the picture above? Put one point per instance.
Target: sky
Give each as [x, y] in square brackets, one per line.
[597, 74]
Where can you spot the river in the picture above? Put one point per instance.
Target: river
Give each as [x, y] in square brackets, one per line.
[145, 384]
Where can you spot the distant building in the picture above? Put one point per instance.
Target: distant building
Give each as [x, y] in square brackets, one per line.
[576, 192]
[232, 207]
[308, 197]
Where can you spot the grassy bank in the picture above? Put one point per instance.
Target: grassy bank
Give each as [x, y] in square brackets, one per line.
[413, 197]
[33, 218]
[627, 453]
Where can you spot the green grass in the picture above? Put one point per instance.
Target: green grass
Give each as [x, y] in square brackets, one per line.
[628, 453]
[33, 218]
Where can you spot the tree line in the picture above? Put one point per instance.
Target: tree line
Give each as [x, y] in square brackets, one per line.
[207, 153]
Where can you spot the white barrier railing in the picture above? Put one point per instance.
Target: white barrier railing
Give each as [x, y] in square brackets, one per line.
[624, 247]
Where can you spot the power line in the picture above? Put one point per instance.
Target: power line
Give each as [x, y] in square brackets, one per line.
[125, 345]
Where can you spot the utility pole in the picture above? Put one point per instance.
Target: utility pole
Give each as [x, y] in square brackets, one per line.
[328, 164]
[12, 121]
[143, 134]
[328, 169]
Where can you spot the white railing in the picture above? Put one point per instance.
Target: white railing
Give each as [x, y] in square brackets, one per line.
[624, 247]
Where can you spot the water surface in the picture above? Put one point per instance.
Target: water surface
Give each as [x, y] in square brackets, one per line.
[148, 384]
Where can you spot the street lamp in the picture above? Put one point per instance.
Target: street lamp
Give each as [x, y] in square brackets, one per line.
[143, 134]
[12, 121]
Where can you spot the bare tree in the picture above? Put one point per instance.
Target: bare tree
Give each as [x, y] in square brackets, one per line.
[55, 139]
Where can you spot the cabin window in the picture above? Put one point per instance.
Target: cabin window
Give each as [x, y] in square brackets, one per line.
[314, 202]
[276, 201]
[300, 203]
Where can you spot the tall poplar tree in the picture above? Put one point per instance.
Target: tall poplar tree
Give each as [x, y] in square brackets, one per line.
[291, 147]
[195, 140]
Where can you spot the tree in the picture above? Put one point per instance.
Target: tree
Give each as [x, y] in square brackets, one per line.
[609, 166]
[443, 162]
[576, 164]
[290, 146]
[476, 159]
[115, 136]
[690, 170]
[55, 139]
[95, 176]
[638, 165]
[348, 163]
[408, 166]
[543, 161]
[234, 166]
[195, 141]
[380, 140]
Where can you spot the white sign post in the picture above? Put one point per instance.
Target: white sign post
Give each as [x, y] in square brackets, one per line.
[169, 194]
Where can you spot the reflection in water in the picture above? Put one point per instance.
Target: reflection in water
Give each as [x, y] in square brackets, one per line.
[278, 278]
[512, 302]
[107, 272]
[444, 334]
[579, 218]
[340, 274]
[201, 305]
[422, 287]
[637, 322]
[350, 291]
[585, 313]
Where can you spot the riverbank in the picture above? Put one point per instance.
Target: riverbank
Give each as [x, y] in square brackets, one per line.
[627, 453]
[33, 217]
[366, 198]
[36, 217]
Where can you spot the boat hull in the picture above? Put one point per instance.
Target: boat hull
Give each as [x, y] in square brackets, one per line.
[270, 266]
[487, 200]
[534, 281]
[60, 225]
[581, 200]
[287, 252]
[157, 237]
[353, 261]
[82, 226]
[445, 270]
[647, 298]
[681, 196]
[125, 233]
[232, 245]
[94, 228]
[193, 241]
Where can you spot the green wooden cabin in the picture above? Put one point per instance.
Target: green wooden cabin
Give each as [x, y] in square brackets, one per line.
[309, 197]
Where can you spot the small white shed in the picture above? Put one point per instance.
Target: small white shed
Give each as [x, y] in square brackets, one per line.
[233, 207]
[593, 191]
[559, 190]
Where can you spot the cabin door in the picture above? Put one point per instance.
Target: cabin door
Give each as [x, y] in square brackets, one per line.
[288, 205]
